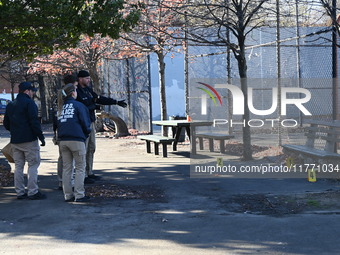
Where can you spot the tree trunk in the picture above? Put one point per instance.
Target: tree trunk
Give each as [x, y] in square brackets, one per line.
[95, 79]
[161, 67]
[242, 65]
[128, 99]
[42, 90]
[12, 90]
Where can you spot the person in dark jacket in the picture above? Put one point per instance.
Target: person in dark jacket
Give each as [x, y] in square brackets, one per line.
[73, 130]
[21, 119]
[69, 78]
[91, 100]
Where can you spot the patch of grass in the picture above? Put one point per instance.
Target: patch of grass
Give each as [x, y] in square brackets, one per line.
[313, 203]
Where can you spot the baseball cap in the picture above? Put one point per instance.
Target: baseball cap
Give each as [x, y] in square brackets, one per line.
[26, 85]
[83, 73]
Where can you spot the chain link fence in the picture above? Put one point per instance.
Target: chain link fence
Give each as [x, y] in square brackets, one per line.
[128, 80]
[305, 62]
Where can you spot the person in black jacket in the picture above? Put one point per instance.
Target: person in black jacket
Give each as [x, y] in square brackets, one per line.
[21, 119]
[73, 130]
[90, 99]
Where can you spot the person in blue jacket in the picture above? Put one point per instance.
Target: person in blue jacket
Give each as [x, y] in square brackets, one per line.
[91, 100]
[67, 79]
[73, 130]
[21, 119]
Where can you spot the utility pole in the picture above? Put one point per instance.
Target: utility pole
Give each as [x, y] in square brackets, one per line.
[186, 66]
[335, 63]
[278, 61]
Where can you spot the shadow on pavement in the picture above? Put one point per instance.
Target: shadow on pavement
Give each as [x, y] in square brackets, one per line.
[193, 213]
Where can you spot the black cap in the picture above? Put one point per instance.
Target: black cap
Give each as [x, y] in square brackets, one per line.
[69, 79]
[26, 85]
[83, 73]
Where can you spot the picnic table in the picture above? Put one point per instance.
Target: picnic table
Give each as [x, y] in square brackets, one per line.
[178, 125]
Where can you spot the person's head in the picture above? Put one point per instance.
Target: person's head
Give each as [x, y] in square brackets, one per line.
[69, 90]
[27, 88]
[84, 78]
[70, 79]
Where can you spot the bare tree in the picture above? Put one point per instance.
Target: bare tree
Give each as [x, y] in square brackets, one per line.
[154, 34]
[331, 7]
[209, 24]
[88, 55]
[14, 72]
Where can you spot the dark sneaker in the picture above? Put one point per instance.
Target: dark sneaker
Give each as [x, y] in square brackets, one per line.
[83, 199]
[88, 180]
[37, 196]
[69, 200]
[94, 177]
[24, 196]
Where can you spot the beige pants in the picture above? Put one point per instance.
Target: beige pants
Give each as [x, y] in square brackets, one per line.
[60, 166]
[90, 149]
[29, 152]
[73, 150]
[60, 169]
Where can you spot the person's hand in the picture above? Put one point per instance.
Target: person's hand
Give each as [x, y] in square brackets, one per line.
[122, 103]
[54, 140]
[94, 98]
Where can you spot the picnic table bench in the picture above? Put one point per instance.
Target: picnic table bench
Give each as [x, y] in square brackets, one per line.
[318, 131]
[221, 137]
[190, 127]
[156, 139]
